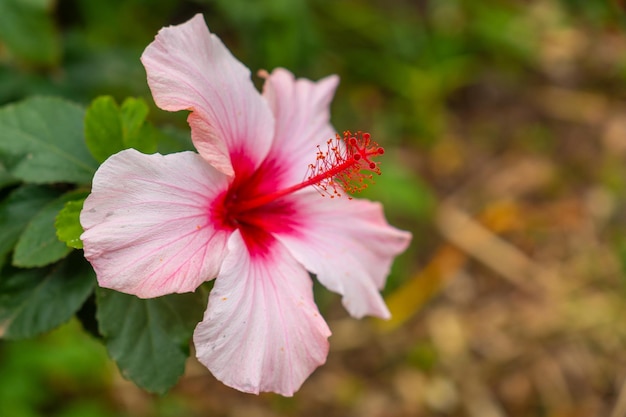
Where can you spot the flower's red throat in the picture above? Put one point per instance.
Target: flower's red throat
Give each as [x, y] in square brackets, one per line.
[346, 165]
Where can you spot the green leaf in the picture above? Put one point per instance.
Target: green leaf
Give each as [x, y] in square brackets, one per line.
[149, 339]
[133, 115]
[17, 210]
[38, 245]
[103, 130]
[43, 138]
[68, 225]
[171, 139]
[145, 139]
[33, 301]
[5, 177]
[148, 138]
[110, 129]
[27, 30]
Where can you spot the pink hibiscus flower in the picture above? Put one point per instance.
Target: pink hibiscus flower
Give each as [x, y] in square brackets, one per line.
[239, 211]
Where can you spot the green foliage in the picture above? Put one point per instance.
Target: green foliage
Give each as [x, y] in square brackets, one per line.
[45, 145]
[60, 366]
[33, 301]
[67, 224]
[43, 140]
[27, 29]
[289, 39]
[17, 210]
[475, 76]
[38, 245]
[5, 178]
[110, 129]
[149, 339]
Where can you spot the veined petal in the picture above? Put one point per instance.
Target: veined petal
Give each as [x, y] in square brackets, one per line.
[189, 68]
[262, 330]
[302, 111]
[349, 245]
[148, 231]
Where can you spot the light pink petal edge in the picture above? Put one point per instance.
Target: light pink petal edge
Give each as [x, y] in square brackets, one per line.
[189, 68]
[261, 331]
[147, 231]
[302, 111]
[349, 245]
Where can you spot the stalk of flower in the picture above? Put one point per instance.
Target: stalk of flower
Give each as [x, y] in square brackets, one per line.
[240, 211]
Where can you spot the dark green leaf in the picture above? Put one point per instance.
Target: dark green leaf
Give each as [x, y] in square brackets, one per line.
[38, 245]
[17, 210]
[68, 225]
[5, 177]
[149, 339]
[33, 301]
[87, 317]
[43, 138]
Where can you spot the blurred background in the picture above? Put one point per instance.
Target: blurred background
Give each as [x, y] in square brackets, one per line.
[504, 124]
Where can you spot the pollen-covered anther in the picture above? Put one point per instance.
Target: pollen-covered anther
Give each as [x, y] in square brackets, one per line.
[346, 165]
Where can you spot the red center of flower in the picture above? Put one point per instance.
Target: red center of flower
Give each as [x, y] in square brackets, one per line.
[346, 165]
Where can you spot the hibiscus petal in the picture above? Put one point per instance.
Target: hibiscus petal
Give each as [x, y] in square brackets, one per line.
[262, 330]
[349, 245]
[302, 111]
[148, 231]
[190, 69]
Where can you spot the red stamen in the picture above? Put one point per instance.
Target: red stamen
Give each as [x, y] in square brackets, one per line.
[346, 165]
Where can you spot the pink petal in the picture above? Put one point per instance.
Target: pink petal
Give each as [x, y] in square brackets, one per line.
[262, 330]
[190, 69]
[302, 111]
[147, 228]
[349, 245]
